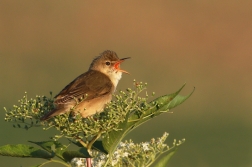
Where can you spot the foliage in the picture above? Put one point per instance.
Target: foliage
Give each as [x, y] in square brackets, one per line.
[129, 154]
[97, 136]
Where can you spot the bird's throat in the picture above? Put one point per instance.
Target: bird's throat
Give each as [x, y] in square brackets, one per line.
[115, 77]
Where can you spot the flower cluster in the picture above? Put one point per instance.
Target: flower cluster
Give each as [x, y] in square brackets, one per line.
[129, 154]
[126, 112]
[28, 112]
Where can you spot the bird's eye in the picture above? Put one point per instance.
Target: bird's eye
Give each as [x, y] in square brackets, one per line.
[107, 63]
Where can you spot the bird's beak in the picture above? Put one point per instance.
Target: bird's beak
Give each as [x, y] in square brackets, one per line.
[117, 65]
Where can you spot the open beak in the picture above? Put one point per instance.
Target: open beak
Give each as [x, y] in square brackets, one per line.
[117, 65]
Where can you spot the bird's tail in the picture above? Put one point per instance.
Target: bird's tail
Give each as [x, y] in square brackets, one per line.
[52, 113]
[47, 116]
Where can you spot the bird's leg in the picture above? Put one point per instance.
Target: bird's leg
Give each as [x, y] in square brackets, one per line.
[89, 146]
[88, 161]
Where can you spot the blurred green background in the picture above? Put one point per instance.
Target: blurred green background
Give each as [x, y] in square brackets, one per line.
[207, 43]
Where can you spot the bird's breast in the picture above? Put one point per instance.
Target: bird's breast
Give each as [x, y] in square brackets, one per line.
[96, 105]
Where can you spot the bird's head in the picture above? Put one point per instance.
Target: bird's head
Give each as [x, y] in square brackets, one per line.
[109, 64]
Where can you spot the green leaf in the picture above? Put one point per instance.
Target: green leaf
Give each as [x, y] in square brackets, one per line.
[158, 106]
[21, 150]
[163, 161]
[96, 146]
[54, 147]
[78, 144]
[99, 147]
[114, 137]
[81, 153]
[161, 105]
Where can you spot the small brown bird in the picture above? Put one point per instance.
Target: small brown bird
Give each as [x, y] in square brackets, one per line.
[96, 86]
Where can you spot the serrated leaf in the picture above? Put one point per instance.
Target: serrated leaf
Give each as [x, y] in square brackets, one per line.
[163, 161]
[54, 147]
[81, 153]
[21, 150]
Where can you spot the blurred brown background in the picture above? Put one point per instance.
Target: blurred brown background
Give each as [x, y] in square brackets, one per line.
[208, 44]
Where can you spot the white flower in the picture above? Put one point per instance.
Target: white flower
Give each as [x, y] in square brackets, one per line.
[125, 154]
[114, 162]
[145, 146]
[129, 145]
[117, 154]
[102, 157]
[77, 162]
[165, 134]
[100, 163]
[121, 144]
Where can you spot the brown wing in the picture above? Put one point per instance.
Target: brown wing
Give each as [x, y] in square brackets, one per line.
[93, 83]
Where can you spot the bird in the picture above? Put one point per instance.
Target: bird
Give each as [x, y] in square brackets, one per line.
[92, 89]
